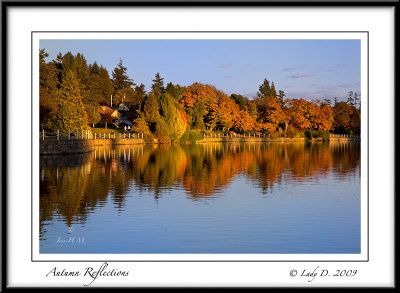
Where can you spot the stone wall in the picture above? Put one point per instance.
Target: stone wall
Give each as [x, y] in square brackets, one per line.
[63, 147]
[250, 139]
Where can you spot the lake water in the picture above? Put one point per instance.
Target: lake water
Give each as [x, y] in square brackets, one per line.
[203, 198]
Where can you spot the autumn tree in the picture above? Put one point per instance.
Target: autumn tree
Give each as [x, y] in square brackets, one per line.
[227, 112]
[200, 100]
[140, 126]
[341, 114]
[347, 119]
[270, 112]
[92, 112]
[243, 122]
[322, 117]
[49, 84]
[299, 112]
[355, 120]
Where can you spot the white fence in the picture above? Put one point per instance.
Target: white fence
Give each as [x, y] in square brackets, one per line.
[232, 135]
[87, 134]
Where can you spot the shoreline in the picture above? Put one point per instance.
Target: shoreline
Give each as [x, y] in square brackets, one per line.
[70, 147]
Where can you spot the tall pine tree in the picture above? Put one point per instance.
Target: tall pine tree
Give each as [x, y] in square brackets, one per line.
[273, 90]
[264, 90]
[71, 113]
[120, 77]
[158, 85]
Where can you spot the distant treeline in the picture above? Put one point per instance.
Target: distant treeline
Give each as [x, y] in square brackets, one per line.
[71, 92]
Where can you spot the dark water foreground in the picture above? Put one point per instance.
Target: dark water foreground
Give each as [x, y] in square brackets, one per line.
[205, 198]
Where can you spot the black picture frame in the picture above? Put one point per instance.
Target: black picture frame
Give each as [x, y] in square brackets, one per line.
[5, 163]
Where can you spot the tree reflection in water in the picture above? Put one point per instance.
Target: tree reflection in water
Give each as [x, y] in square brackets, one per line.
[72, 187]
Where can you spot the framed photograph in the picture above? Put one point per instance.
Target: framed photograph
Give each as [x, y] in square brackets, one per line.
[241, 145]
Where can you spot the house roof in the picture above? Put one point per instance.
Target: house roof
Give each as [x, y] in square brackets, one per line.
[107, 110]
[123, 106]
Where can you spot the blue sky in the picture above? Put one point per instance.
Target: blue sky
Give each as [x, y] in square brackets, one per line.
[302, 68]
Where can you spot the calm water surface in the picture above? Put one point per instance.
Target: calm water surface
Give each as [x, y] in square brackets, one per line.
[205, 198]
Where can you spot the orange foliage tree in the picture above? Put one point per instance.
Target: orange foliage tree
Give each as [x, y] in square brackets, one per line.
[324, 117]
[200, 100]
[270, 113]
[227, 112]
[299, 112]
[243, 122]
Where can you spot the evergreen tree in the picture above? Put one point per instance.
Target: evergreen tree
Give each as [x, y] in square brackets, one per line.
[173, 119]
[99, 87]
[158, 85]
[281, 97]
[273, 90]
[150, 109]
[264, 90]
[350, 99]
[78, 65]
[42, 56]
[104, 85]
[356, 100]
[176, 91]
[139, 96]
[240, 100]
[94, 69]
[124, 95]
[120, 77]
[197, 113]
[71, 113]
[326, 102]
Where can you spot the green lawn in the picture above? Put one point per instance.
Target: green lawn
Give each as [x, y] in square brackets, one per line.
[106, 131]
